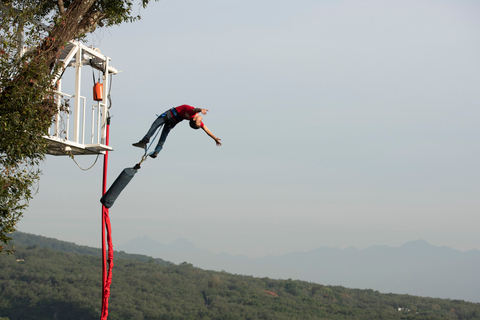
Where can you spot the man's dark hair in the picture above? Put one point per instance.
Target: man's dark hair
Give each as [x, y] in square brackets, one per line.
[193, 125]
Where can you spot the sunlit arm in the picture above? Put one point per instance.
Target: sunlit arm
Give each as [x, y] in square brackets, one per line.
[207, 131]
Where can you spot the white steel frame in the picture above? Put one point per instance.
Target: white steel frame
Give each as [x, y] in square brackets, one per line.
[65, 142]
[68, 140]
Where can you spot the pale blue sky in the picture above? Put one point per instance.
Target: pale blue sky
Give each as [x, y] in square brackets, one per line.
[344, 123]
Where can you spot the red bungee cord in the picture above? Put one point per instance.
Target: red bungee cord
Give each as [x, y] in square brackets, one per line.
[107, 259]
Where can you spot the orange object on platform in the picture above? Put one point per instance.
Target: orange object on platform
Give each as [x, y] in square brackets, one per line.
[98, 91]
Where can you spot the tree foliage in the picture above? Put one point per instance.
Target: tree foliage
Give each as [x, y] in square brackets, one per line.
[26, 83]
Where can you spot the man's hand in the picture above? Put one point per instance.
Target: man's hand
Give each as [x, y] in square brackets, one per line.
[207, 131]
[204, 111]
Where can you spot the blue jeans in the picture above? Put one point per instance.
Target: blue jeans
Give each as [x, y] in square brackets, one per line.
[161, 120]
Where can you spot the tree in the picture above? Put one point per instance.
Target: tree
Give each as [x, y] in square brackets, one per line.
[26, 103]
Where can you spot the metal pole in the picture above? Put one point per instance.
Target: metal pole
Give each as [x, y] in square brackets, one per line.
[104, 100]
[78, 79]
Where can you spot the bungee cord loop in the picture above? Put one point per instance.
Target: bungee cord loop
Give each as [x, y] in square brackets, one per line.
[70, 154]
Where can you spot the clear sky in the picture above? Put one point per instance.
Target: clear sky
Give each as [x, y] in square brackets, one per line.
[344, 123]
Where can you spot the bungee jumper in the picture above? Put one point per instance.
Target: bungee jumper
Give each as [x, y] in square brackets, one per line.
[169, 120]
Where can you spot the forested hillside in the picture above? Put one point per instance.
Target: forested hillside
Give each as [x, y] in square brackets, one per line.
[42, 283]
[27, 239]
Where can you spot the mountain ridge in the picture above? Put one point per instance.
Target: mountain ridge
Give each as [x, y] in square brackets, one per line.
[415, 267]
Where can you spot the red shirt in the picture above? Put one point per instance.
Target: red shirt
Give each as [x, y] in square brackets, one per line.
[186, 112]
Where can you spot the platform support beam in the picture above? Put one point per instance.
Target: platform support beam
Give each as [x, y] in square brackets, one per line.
[78, 78]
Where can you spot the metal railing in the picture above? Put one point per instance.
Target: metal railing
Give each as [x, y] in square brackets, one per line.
[68, 117]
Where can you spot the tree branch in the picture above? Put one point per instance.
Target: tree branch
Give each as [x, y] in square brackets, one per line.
[90, 23]
[61, 7]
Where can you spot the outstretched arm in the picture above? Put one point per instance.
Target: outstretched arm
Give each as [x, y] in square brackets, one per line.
[197, 110]
[207, 131]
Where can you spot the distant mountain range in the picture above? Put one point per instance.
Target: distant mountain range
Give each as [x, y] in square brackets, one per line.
[416, 268]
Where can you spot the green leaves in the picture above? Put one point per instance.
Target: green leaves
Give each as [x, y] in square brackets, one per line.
[16, 184]
[23, 121]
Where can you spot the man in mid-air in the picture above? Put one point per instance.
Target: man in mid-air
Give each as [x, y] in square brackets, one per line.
[169, 119]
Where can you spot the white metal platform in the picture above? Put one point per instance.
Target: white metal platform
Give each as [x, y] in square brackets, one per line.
[60, 147]
[80, 128]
